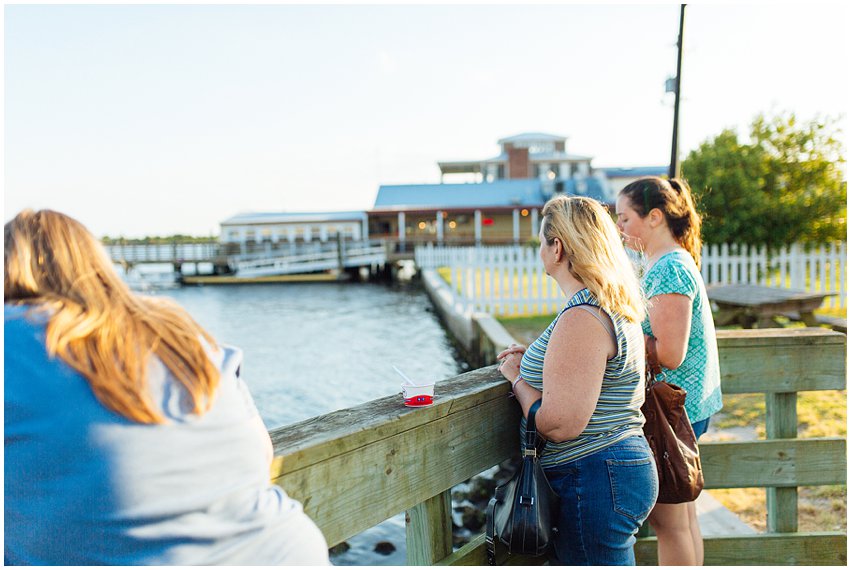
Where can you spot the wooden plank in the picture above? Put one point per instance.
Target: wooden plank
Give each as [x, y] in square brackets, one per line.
[817, 548]
[474, 554]
[836, 323]
[776, 337]
[354, 482]
[781, 422]
[498, 338]
[799, 549]
[774, 463]
[742, 295]
[428, 530]
[311, 441]
[781, 360]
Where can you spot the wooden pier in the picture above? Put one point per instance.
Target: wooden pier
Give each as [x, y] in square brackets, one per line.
[258, 260]
[355, 468]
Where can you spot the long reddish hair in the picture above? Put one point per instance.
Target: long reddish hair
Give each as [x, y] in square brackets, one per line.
[96, 324]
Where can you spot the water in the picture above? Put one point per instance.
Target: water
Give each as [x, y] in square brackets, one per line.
[311, 348]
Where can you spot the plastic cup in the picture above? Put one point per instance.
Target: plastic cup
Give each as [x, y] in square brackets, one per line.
[418, 396]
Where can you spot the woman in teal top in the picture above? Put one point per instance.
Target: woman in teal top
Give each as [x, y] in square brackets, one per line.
[658, 217]
[587, 369]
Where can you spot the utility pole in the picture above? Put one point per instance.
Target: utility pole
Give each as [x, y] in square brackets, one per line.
[674, 169]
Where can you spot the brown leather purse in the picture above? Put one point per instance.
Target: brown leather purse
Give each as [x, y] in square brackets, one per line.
[671, 437]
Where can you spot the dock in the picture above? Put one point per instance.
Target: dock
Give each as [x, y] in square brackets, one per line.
[236, 280]
[258, 260]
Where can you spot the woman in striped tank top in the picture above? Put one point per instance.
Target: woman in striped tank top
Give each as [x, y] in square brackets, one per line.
[587, 369]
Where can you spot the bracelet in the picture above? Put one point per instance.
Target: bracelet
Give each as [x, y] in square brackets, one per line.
[516, 380]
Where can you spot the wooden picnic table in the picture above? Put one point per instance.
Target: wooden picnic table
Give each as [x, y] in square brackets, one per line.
[756, 304]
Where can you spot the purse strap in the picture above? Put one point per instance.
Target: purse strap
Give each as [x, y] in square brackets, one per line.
[490, 532]
[529, 442]
[653, 368]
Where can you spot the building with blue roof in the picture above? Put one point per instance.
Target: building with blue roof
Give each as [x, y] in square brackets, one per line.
[620, 177]
[501, 198]
[277, 227]
[527, 155]
[493, 200]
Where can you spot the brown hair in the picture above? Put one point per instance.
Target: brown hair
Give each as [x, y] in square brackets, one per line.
[597, 257]
[674, 199]
[96, 324]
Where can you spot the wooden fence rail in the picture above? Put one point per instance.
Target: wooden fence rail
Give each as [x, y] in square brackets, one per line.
[357, 467]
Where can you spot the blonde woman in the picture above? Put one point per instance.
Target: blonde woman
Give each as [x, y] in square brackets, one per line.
[587, 369]
[129, 436]
[658, 217]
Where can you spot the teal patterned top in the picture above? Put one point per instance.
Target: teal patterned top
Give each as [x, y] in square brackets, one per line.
[617, 415]
[699, 374]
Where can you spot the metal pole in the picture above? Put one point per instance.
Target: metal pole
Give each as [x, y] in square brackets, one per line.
[674, 169]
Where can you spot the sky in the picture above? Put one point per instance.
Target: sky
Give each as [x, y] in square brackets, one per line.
[160, 119]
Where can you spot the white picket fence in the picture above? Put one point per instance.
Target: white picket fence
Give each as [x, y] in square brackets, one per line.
[510, 280]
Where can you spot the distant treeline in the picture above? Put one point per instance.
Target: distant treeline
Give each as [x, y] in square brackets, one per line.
[156, 240]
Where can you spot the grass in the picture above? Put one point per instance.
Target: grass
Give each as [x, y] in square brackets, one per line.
[841, 312]
[820, 414]
[526, 329]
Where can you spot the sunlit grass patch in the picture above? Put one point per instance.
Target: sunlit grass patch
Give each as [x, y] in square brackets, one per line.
[748, 504]
[820, 414]
[840, 312]
[820, 508]
[526, 329]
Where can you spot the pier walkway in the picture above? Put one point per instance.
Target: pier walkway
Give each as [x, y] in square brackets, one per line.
[259, 260]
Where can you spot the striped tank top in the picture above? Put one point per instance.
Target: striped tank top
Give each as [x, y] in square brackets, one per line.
[617, 415]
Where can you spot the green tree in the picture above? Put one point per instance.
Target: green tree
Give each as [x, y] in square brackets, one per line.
[783, 186]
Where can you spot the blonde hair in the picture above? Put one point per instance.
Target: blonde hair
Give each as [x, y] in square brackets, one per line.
[595, 253]
[674, 199]
[96, 324]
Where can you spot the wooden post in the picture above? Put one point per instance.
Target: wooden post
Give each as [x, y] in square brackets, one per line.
[341, 257]
[781, 422]
[428, 531]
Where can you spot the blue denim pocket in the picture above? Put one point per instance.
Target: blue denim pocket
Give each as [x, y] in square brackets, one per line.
[634, 486]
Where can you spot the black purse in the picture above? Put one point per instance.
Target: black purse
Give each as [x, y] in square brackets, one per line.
[523, 512]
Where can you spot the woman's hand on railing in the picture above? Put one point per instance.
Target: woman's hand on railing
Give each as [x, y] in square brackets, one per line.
[510, 367]
[512, 349]
[509, 361]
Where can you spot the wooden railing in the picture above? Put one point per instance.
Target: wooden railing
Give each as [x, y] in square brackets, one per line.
[357, 467]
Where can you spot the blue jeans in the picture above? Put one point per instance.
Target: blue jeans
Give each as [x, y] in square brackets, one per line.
[604, 499]
[700, 427]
